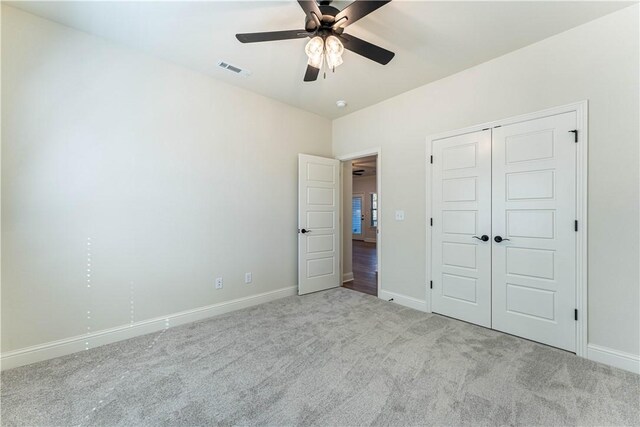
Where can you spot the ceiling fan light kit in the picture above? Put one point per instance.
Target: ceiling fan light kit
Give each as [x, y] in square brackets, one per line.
[324, 25]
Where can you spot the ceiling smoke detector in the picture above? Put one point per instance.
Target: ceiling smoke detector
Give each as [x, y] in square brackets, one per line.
[341, 103]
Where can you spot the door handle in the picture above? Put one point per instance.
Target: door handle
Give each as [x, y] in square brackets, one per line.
[484, 238]
[305, 231]
[499, 239]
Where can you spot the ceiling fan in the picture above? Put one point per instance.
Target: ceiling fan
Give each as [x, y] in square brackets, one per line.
[364, 166]
[325, 25]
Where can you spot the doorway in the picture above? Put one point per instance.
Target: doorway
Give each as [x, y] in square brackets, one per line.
[325, 237]
[360, 185]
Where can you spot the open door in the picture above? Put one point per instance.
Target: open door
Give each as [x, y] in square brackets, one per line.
[318, 217]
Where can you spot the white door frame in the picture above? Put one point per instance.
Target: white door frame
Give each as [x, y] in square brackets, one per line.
[581, 110]
[352, 156]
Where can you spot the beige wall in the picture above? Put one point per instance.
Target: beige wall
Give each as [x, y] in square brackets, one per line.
[597, 61]
[366, 185]
[175, 179]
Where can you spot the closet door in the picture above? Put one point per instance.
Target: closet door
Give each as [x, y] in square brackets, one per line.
[461, 210]
[534, 239]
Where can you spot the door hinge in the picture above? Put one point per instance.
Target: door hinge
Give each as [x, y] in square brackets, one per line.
[575, 225]
[575, 135]
[431, 159]
[431, 221]
[431, 284]
[575, 314]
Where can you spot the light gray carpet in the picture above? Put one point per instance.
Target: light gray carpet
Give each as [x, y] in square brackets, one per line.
[332, 358]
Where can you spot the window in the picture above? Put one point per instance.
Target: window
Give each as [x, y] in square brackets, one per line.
[356, 216]
[374, 209]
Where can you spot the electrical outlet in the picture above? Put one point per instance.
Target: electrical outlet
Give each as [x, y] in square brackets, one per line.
[399, 215]
[247, 278]
[218, 282]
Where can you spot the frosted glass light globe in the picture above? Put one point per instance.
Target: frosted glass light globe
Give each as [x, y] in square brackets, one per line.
[334, 50]
[315, 51]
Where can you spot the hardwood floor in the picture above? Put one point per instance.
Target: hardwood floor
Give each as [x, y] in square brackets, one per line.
[365, 266]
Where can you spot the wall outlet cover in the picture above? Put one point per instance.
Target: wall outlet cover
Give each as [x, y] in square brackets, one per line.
[218, 282]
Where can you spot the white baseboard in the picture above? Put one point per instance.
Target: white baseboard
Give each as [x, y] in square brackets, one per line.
[615, 358]
[407, 301]
[347, 277]
[50, 350]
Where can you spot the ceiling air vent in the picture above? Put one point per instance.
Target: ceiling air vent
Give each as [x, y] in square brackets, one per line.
[234, 69]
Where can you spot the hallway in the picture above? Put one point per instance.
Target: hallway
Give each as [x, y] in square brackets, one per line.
[365, 268]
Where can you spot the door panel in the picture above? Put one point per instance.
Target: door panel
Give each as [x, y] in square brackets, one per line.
[459, 190]
[459, 255]
[534, 194]
[318, 207]
[461, 209]
[533, 224]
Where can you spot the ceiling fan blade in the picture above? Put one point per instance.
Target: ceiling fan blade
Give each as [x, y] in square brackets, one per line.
[272, 36]
[311, 74]
[366, 49]
[357, 10]
[310, 8]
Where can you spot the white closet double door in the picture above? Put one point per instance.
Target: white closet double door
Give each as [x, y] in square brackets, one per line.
[503, 233]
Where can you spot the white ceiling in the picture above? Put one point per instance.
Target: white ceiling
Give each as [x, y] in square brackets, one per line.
[431, 40]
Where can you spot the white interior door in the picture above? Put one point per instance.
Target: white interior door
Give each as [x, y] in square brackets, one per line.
[461, 209]
[318, 214]
[534, 209]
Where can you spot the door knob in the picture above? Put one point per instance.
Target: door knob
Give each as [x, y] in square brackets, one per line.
[305, 231]
[484, 238]
[499, 239]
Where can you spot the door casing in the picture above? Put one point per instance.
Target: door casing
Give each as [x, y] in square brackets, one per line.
[581, 110]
